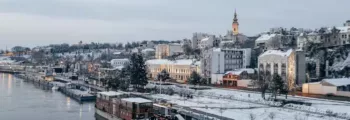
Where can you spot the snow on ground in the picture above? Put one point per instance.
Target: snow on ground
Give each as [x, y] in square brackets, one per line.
[240, 104]
[320, 104]
[239, 110]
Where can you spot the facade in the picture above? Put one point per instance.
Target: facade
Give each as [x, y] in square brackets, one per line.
[180, 70]
[119, 62]
[196, 39]
[337, 86]
[238, 78]
[306, 38]
[121, 106]
[218, 61]
[132, 108]
[290, 65]
[207, 42]
[165, 50]
[268, 41]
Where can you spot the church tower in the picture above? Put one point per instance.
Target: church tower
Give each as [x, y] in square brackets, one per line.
[235, 24]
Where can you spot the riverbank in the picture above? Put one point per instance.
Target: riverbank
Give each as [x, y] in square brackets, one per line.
[20, 100]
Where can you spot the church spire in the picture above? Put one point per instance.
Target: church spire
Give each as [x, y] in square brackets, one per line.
[235, 24]
[235, 17]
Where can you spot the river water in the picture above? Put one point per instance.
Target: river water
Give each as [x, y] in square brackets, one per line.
[20, 100]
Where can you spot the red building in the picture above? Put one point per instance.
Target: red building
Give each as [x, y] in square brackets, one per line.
[238, 78]
[123, 106]
[104, 100]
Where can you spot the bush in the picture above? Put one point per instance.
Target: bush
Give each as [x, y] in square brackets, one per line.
[329, 94]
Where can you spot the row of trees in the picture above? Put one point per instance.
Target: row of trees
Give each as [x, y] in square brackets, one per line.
[134, 74]
[274, 85]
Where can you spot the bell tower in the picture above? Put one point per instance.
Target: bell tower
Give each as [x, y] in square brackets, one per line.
[235, 24]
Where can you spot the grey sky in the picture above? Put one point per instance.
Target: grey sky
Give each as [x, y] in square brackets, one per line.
[40, 22]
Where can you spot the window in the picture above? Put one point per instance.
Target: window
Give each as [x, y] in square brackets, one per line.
[275, 68]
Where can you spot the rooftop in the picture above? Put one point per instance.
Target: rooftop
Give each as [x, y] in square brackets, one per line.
[148, 50]
[265, 37]
[169, 62]
[111, 93]
[277, 52]
[137, 100]
[205, 39]
[239, 71]
[338, 81]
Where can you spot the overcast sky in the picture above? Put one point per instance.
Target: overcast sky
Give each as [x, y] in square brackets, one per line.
[40, 22]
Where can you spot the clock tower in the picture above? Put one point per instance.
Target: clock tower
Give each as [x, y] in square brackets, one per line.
[235, 24]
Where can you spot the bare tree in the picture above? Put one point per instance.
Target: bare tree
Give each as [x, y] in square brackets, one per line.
[272, 115]
[251, 116]
[274, 43]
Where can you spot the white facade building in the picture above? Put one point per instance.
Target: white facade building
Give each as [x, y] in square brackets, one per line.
[196, 39]
[265, 41]
[207, 42]
[290, 65]
[119, 62]
[180, 70]
[337, 86]
[218, 61]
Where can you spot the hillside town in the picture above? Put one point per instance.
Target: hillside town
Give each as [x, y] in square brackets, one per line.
[282, 73]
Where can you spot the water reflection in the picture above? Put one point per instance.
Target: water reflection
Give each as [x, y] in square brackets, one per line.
[24, 99]
[68, 102]
[9, 83]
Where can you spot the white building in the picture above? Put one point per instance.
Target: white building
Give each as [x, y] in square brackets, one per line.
[165, 50]
[218, 61]
[207, 42]
[119, 62]
[196, 39]
[305, 38]
[337, 86]
[290, 65]
[180, 70]
[267, 41]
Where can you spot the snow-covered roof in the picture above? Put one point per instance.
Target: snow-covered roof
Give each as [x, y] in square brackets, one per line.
[169, 62]
[345, 29]
[205, 39]
[111, 93]
[136, 100]
[277, 52]
[217, 49]
[239, 71]
[123, 59]
[338, 81]
[119, 67]
[265, 37]
[117, 53]
[148, 50]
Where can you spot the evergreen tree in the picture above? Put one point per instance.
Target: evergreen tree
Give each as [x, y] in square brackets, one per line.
[124, 79]
[277, 85]
[138, 72]
[194, 79]
[127, 46]
[120, 46]
[163, 76]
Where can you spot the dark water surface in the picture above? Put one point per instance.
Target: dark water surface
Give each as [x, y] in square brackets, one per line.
[20, 100]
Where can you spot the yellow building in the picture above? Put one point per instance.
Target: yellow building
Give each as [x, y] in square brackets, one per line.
[180, 70]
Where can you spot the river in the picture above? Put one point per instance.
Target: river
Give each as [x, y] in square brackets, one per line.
[20, 100]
